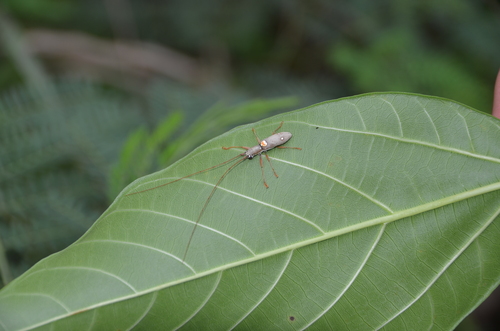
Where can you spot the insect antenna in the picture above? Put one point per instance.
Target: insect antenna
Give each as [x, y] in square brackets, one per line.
[195, 173]
[208, 200]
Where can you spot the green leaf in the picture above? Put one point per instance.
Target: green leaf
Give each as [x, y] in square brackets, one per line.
[387, 218]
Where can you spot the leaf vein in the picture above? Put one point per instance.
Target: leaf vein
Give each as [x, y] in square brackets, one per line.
[204, 303]
[60, 303]
[467, 131]
[355, 276]
[98, 270]
[189, 221]
[431, 121]
[305, 220]
[416, 142]
[365, 195]
[146, 311]
[397, 115]
[445, 267]
[285, 266]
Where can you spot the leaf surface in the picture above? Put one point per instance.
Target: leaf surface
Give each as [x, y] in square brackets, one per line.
[388, 218]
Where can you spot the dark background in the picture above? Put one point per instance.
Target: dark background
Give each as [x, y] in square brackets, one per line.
[95, 93]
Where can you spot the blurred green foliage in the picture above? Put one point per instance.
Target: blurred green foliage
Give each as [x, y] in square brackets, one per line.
[446, 48]
[53, 166]
[47, 11]
[60, 167]
[395, 61]
[64, 157]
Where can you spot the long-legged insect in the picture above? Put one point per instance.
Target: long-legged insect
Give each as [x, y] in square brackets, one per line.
[273, 141]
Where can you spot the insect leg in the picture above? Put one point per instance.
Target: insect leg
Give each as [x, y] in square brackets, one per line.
[288, 147]
[226, 148]
[262, 170]
[279, 127]
[271, 164]
[255, 134]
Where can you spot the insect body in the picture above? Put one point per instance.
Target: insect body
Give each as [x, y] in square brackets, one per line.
[273, 141]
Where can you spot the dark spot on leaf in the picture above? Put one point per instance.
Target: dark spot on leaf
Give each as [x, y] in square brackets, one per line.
[291, 318]
[317, 127]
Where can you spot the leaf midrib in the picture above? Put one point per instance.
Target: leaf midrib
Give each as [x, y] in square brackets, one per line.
[377, 221]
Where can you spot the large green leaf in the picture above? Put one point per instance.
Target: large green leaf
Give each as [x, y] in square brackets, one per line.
[387, 218]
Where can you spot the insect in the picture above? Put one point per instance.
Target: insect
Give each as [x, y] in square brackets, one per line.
[275, 140]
